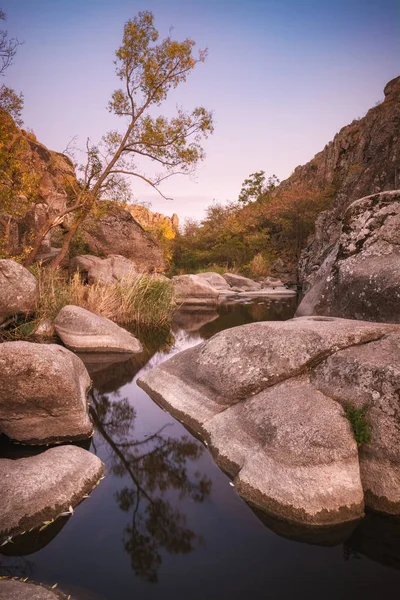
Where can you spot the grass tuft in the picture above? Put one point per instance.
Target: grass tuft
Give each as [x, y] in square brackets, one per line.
[359, 423]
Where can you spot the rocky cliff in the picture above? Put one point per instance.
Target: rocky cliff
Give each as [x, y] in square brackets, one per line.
[362, 159]
[51, 178]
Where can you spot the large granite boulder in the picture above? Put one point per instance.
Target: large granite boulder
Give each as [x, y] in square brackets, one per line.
[104, 270]
[11, 589]
[194, 291]
[244, 283]
[368, 377]
[83, 331]
[360, 277]
[18, 290]
[43, 393]
[38, 489]
[214, 279]
[249, 391]
[117, 232]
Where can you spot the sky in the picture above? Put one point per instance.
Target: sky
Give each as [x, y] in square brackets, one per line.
[281, 77]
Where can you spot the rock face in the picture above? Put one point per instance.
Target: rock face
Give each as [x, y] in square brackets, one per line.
[117, 232]
[11, 589]
[52, 175]
[82, 331]
[104, 270]
[361, 160]
[252, 392]
[39, 488]
[245, 284]
[42, 393]
[360, 278]
[18, 290]
[194, 291]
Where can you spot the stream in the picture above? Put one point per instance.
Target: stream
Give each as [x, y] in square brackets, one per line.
[167, 523]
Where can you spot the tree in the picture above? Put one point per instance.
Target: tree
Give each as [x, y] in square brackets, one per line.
[10, 101]
[148, 71]
[255, 187]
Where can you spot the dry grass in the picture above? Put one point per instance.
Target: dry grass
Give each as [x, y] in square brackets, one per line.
[140, 301]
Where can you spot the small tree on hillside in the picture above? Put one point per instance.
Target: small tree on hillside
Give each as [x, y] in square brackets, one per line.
[148, 71]
[255, 187]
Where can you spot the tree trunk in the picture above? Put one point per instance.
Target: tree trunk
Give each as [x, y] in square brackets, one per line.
[57, 260]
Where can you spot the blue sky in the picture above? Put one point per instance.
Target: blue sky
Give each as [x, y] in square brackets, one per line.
[282, 77]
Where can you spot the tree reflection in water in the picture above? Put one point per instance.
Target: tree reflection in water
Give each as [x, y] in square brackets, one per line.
[155, 465]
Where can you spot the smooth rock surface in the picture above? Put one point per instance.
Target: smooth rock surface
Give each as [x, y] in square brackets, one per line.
[247, 390]
[194, 291]
[21, 590]
[83, 331]
[360, 277]
[369, 375]
[39, 488]
[214, 279]
[42, 393]
[239, 281]
[296, 445]
[104, 270]
[18, 290]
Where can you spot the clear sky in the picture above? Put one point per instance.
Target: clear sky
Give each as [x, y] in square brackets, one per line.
[282, 77]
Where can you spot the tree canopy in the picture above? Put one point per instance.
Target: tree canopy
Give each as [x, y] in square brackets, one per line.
[148, 70]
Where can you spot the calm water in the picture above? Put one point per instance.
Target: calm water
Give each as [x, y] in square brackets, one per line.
[166, 523]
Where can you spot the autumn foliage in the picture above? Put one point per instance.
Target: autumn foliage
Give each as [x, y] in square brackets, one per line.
[250, 237]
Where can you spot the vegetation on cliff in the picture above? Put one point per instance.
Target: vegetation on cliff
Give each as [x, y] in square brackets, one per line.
[267, 222]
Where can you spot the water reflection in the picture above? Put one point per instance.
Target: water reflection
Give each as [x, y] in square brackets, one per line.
[154, 466]
[163, 493]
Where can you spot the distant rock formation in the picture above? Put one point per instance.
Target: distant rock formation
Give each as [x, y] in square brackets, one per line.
[149, 220]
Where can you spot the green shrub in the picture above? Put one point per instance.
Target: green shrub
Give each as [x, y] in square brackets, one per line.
[359, 423]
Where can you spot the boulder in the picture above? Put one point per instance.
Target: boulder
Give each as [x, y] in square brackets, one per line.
[11, 589]
[214, 279]
[104, 270]
[42, 393]
[271, 282]
[194, 291]
[18, 290]
[241, 282]
[83, 331]
[118, 233]
[249, 391]
[40, 488]
[368, 376]
[360, 277]
[293, 452]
